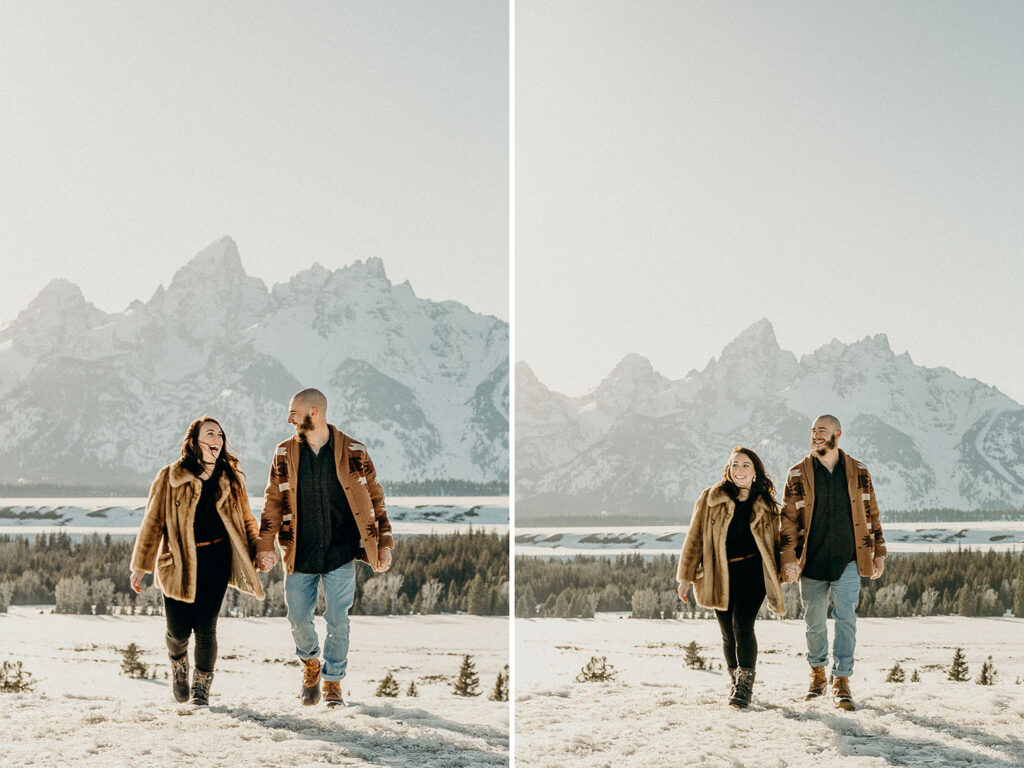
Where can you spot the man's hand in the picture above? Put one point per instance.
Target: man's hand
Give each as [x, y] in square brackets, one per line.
[383, 559]
[682, 589]
[790, 572]
[879, 567]
[266, 560]
[136, 580]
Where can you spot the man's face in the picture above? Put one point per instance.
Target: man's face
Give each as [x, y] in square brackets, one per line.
[300, 416]
[823, 436]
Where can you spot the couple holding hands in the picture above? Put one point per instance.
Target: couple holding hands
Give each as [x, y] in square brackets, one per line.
[741, 547]
[199, 536]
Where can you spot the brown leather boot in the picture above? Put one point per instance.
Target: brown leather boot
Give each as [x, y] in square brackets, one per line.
[744, 688]
[310, 693]
[818, 683]
[179, 679]
[332, 693]
[841, 693]
[201, 687]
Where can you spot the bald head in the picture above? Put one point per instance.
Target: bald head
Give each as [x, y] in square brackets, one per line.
[826, 418]
[825, 432]
[311, 398]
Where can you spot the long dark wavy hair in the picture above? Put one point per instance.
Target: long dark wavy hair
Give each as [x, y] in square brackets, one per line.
[227, 462]
[761, 487]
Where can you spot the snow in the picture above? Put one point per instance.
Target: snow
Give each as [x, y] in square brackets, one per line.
[122, 516]
[661, 713]
[995, 535]
[85, 713]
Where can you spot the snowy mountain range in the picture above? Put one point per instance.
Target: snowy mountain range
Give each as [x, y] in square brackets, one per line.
[641, 446]
[87, 397]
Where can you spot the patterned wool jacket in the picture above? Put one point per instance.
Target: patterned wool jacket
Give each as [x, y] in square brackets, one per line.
[358, 478]
[704, 561]
[798, 508]
[166, 542]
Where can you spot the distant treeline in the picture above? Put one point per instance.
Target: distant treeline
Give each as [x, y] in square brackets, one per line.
[431, 574]
[963, 582]
[441, 487]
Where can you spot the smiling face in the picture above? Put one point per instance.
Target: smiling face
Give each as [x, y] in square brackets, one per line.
[210, 440]
[741, 470]
[300, 416]
[824, 436]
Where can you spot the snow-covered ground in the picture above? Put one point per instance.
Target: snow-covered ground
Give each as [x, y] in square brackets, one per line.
[998, 535]
[661, 713]
[85, 713]
[121, 516]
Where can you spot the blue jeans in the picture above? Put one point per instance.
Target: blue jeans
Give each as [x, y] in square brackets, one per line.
[845, 594]
[300, 591]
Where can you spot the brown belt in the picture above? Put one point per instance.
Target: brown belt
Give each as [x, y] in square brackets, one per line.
[218, 541]
[742, 557]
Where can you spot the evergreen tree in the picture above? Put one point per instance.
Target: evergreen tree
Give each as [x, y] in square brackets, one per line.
[14, 679]
[131, 662]
[896, 674]
[479, 598]
[597, 670]
[500, 691]
[412, 690]
[468, 683]
[693, 658]
[388, 686]
[958, 670]
[987, 676]
[1018, 599]
[915, 678]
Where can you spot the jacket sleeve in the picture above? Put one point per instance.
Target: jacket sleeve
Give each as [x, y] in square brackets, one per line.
[151, 530]
[693, 547]
[270, 520]
[380, 512]
[789, 522]
[874, 519]
[252, 529]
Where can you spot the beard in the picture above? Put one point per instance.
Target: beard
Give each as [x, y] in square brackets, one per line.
[829, 445]
[306, 425]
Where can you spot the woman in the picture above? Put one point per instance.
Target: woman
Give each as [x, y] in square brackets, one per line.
[729, 557]
[200, 534]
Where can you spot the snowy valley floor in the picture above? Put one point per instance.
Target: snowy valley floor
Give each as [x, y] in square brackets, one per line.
[85, 713]
[660, 713]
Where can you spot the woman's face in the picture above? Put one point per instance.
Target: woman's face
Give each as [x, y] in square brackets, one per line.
[741, 470]
[211, 441]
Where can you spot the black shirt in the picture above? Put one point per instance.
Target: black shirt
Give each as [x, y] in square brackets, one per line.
[207, 525]
[739, 539]
[830, 540]
[327, 535]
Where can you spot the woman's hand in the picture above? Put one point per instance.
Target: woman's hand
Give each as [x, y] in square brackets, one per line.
[684, 587]
[136, 580]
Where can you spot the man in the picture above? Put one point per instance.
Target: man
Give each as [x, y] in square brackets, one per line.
[325, 508]
[833, 491]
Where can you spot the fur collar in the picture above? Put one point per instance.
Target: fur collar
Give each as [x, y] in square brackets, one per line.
[717, 496]
[177, 476]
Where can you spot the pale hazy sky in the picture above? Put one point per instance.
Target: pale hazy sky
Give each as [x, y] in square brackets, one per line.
[843, 169]
[134, 134]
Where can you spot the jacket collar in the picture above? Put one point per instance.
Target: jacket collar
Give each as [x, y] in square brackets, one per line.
[179, 475]
[717, 495]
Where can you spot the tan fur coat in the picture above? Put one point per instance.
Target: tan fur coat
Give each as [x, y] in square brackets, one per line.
[704, 560]
[167, 540]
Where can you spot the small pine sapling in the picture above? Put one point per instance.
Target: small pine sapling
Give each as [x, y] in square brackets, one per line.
[412, 690]
[597, 670]
[14, 679]
[693, 658]
[468, 683]
[958, 670]
[500, 690]
[987, 676]
[131, 662]
[896, 674]
[388, 687]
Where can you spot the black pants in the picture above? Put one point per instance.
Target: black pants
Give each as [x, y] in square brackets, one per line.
[213, 572]
[746, 594]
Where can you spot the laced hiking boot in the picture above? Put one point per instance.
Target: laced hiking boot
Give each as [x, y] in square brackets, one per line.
[310, 693]
[332, 693]
[818, 683]
[744, 688]
[201, 687]
[841, 693]
[732, 682]
[179, 679]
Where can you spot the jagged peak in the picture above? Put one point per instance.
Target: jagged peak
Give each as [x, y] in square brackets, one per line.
[220, 260]
[369, 269]
[758, 337]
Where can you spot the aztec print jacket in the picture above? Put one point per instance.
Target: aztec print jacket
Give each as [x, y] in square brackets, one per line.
[798, 507]
[358, 478]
